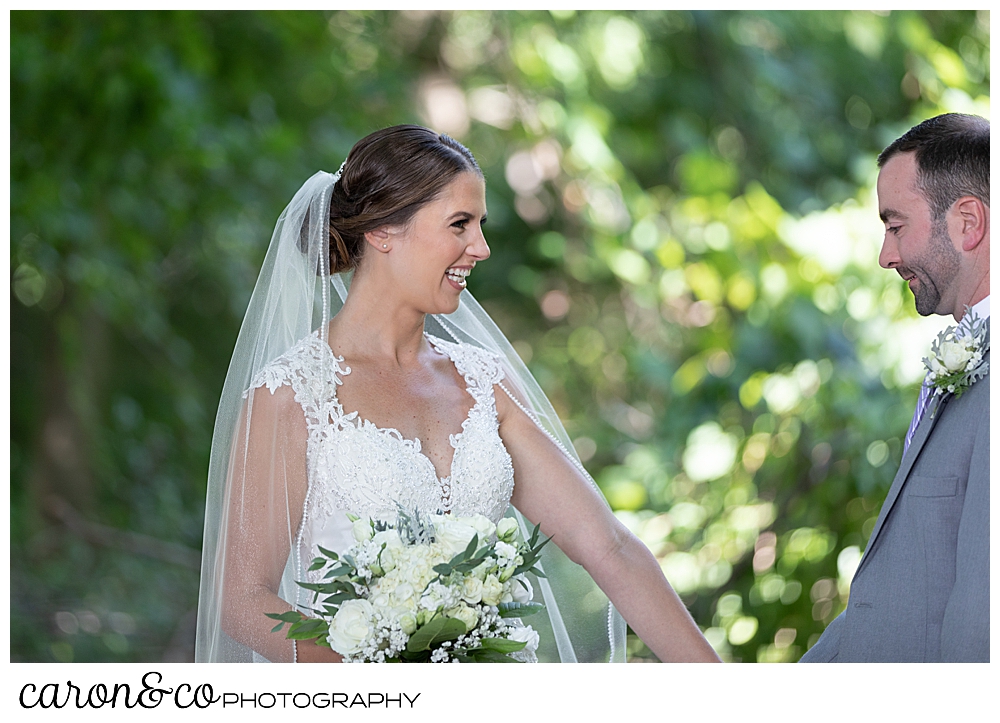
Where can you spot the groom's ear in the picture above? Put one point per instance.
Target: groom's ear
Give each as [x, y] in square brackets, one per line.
[969, 222]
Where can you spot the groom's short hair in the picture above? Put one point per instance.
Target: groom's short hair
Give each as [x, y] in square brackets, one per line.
[953, 158]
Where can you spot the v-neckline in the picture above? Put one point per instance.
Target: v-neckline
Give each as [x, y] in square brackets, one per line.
[359, 422]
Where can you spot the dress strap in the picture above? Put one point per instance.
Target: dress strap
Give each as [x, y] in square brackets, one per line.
[480, 368]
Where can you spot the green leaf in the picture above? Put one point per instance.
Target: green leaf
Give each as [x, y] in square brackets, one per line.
[308, 629]
[292, 616]
[503, 645]
[328, 588]
[519, 610]
[340, 597]
[339, 571]
[470, 550]
[492, 656]
[435, 632]
[329, 553]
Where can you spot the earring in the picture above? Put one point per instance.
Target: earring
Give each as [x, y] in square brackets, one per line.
[384, 246]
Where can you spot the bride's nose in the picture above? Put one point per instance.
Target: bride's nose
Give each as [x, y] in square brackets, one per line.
[478, 248]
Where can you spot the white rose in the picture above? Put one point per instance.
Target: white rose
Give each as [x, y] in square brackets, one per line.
[954, 355]
[362, 530]
[466, 614]
[483, 525]
[387, 560]
[453, 535]
[389, 538]
[492, 590]
[351, 626]
[526, 634]
[520, 589]
[408, 623]
[507, 529]
[472, 590]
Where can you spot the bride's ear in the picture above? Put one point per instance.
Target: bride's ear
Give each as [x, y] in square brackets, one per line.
[379, 239]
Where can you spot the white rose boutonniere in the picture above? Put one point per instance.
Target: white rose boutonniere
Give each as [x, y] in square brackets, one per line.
[958, 356]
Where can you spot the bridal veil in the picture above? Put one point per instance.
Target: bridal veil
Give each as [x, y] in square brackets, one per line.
[254, 523]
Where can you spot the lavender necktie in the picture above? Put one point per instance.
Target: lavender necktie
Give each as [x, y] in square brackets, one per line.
[922, 402]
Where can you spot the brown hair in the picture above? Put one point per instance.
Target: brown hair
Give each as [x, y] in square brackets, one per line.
[953, 158]
[386, 179]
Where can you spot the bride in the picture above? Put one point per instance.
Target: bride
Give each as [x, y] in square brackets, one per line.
[400, 393]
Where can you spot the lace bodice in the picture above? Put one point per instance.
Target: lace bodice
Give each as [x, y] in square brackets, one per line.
[355, 466]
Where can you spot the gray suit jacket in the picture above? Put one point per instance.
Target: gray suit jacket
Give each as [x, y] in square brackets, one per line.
[922, 590]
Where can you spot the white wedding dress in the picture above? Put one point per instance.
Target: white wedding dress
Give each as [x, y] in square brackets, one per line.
[278, 489]
[354, 466]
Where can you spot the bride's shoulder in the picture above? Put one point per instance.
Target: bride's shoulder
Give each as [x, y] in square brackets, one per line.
[478, 365]
[304, 360]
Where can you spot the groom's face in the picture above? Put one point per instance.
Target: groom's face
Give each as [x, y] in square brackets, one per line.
[916, 245]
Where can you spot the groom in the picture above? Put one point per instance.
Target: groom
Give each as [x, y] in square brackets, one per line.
[922, 589]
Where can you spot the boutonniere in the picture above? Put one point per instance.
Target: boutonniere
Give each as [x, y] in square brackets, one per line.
[958, 356]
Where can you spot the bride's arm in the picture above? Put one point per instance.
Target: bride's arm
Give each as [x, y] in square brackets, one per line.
[550, 490]
[266, 492]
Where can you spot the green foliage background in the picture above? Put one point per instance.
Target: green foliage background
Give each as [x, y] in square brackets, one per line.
[684, 250]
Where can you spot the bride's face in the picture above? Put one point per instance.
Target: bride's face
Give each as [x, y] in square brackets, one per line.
[435, 253]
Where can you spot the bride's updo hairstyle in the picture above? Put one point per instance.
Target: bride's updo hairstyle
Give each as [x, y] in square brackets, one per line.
[386, 179]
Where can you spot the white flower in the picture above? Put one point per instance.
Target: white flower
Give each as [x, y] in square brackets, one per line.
[351, 626]
[507, 529]
[387, 560]
[482, 569]
[492, 590]
[520, 589]
[526, 634]
[482, 524]
[408, 623]
[466, 614]
[954, 355]
[389, 538]
[472, 590]
[403, 593]
[438, 596]
[362, 530]
[505, 552]
[453, 535]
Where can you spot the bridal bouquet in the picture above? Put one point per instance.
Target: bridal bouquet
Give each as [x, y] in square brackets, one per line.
[438, 589]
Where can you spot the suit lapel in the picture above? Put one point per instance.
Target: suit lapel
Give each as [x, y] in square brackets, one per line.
[923, 432]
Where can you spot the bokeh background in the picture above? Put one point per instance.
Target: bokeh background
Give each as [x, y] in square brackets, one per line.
[684, 246]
